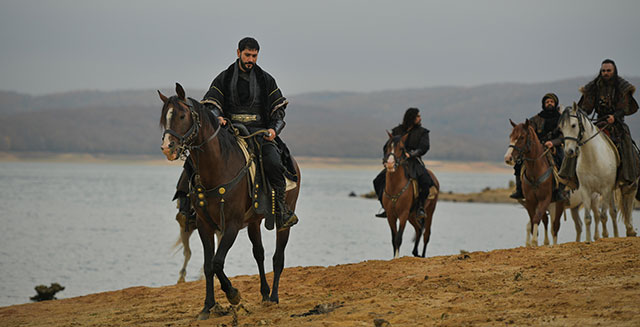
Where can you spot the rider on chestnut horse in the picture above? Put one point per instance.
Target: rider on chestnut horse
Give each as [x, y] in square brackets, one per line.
[416, 146]
[245, 94]
[545, 123]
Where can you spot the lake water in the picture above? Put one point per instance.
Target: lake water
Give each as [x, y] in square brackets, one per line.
[101, 227]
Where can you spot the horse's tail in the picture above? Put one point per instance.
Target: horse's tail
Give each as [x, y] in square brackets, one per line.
[177, 246]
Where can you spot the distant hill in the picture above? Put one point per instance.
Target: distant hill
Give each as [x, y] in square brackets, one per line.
[466, 123]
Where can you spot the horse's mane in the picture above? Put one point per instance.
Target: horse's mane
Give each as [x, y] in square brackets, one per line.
[226, 138]
[564, 116]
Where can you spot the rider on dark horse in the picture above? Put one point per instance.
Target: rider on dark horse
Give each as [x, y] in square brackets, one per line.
[545, 123]
[416, 146]
[245, 94]
[611, 97]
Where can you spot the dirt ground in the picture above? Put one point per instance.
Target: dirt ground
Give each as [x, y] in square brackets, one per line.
[572, 284]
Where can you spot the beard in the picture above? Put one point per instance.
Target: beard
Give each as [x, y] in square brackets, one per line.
[549, 107]
[244, 67]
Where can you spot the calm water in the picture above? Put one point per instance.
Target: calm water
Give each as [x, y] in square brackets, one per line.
[102, 227]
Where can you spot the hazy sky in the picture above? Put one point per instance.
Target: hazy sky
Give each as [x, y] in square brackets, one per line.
[65, 45]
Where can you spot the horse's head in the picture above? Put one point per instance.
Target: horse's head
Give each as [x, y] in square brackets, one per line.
[394, 152]
[571, 123]
[520, 140]
[180, 123]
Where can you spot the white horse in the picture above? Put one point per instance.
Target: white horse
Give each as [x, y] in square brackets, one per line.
[597, 163]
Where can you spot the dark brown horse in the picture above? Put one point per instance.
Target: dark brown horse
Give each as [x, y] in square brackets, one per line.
[399, 198]
[537, 181]
[223, 205]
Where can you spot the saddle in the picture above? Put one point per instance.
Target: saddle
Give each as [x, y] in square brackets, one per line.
[258, 185]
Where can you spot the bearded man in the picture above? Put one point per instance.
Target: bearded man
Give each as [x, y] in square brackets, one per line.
[545, 123]
[416, 146]
[247, 95]
[611, 97]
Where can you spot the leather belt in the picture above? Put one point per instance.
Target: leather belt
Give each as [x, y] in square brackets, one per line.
[245, 118]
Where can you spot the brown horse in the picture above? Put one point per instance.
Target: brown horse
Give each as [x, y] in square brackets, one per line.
[400, 195]
[537, 180]
[220, 169]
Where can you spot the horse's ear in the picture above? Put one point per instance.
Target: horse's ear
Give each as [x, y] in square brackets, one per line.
[180, 92]
[526, 123]
[162, 97]
[512, 123]
[390, 136]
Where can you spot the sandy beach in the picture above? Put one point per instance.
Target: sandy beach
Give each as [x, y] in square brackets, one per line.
[572, 284]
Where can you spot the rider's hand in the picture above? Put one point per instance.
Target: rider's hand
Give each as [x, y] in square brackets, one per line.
[407, 154]
[548, 144]
[222, 120]
[271, 136]
[610, 119]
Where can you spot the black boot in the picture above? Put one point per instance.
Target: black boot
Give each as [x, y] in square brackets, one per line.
[383, 214]
[285, 218]
[518, 193]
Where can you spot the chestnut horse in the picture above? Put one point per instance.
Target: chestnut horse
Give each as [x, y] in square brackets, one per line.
[537, 181]
[220, 169]
[398, 198]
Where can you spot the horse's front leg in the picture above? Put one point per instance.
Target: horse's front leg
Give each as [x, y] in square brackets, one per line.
[282, 238]
[540, 215]
[258, 254]
[403, 222]
[209, 251]
[557, 209]
[595, 208]
[392, 220]
[418, 229]
[227, 240]
[545, 221]
[575, 215]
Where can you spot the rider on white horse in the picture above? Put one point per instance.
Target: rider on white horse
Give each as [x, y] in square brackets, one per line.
[612, 99]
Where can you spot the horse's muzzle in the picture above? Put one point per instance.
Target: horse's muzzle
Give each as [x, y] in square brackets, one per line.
[170, 151]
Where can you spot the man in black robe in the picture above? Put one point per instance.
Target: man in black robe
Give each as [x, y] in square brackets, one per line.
[246, 94]
[416, 146]
[545, 123]
[611, 97]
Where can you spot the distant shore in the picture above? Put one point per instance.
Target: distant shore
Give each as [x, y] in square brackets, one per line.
[303, 161]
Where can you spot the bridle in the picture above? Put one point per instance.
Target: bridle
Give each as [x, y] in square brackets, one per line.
[579, 115]
[185, 145]
[396, 162]
[526, 149]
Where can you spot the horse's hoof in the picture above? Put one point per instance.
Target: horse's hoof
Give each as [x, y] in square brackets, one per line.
[631, 233]
[234, 296]
[181, 279]
[203, 315]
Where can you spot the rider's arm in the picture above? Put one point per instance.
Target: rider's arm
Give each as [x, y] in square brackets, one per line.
[214, 98]
[277, 104]
[423, 146]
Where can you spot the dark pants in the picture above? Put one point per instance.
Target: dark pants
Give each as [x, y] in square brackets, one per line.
[424, 183]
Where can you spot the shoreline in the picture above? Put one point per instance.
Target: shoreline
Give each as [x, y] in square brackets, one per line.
[303, 161]
[519, 286]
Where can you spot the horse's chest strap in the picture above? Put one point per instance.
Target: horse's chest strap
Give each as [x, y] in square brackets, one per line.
[200, 194]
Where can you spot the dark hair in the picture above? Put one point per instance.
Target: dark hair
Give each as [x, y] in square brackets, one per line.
[615, 68]
[409, 118]
[248, 43]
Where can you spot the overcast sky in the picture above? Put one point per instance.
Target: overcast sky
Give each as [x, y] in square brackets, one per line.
[341, 45]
